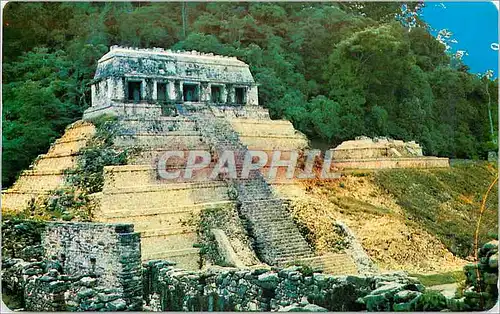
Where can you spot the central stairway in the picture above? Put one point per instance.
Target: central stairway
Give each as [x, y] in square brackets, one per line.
[277, 239]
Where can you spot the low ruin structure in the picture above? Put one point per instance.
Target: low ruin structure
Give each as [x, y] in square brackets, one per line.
[381, 152]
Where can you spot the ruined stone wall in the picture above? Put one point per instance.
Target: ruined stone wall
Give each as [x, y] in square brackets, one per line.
[382, 153]
[481, 292]
[73, 266]
[387, 163]
[91, 247]
[244, 112]
[294, 288]
[378, 147]
[122, 109]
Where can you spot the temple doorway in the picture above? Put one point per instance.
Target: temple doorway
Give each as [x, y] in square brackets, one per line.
[134, 91]
[216, 95]
[161, 91]
[190, 92]
[239, 95]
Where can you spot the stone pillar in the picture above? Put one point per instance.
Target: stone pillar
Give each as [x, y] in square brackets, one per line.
[154, 94]
[150, 90]
[180, 92]
[252, 96]
[230, 94]
[172, 95]
[119, 88]
[94, 100]
[143, 89]
[110, 87]
[224, 94]
[205, 92]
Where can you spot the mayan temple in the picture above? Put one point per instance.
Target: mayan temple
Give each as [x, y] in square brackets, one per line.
[166, 101]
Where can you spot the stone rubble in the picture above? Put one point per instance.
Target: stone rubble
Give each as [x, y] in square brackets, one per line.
[261, 289]
[482, 292]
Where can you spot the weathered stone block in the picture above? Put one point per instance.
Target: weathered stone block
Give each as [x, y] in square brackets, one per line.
[377, 303]
[268, 280]
[86, 293]
[405, 295]
[493, 261]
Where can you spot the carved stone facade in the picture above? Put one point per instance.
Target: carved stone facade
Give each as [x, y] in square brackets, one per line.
[132, 81]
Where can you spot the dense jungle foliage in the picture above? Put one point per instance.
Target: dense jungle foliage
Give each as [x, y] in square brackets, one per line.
[336, 70]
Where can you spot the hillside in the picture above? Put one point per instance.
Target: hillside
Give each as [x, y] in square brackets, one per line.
[422, 221]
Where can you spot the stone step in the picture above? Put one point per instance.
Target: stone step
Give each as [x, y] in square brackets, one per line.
[160, 199]
[271, 217]
[279, 258]
[174, 253]
[274, 225]
[67, 147]
[265, 202]
[163, 210]
[18, 200]
[41, 180]
[133, 178]
[58, 163]
[181, 239]
[280, 253]
[188, 259]
[156, 221]
[283, 237]
[172, 142]
[283, 245]
[268, 214]
[292, 242]
[147, 233]
[158, 124]
[282, 226]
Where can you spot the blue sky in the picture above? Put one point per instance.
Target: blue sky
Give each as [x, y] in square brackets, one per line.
[474, 25]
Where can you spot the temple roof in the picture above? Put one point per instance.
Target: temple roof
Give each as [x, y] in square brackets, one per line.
[184, 65]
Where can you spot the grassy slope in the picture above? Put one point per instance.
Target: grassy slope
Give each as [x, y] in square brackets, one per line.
[409, 219]
[441, 279]
[446, 202]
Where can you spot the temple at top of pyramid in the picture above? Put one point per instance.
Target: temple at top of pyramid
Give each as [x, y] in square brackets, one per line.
[133, 81]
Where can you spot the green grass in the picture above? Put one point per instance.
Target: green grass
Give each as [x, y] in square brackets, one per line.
[440, 279]
[352, 205]
[446, 202]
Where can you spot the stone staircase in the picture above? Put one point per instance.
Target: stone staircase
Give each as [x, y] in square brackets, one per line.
[276, 238]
